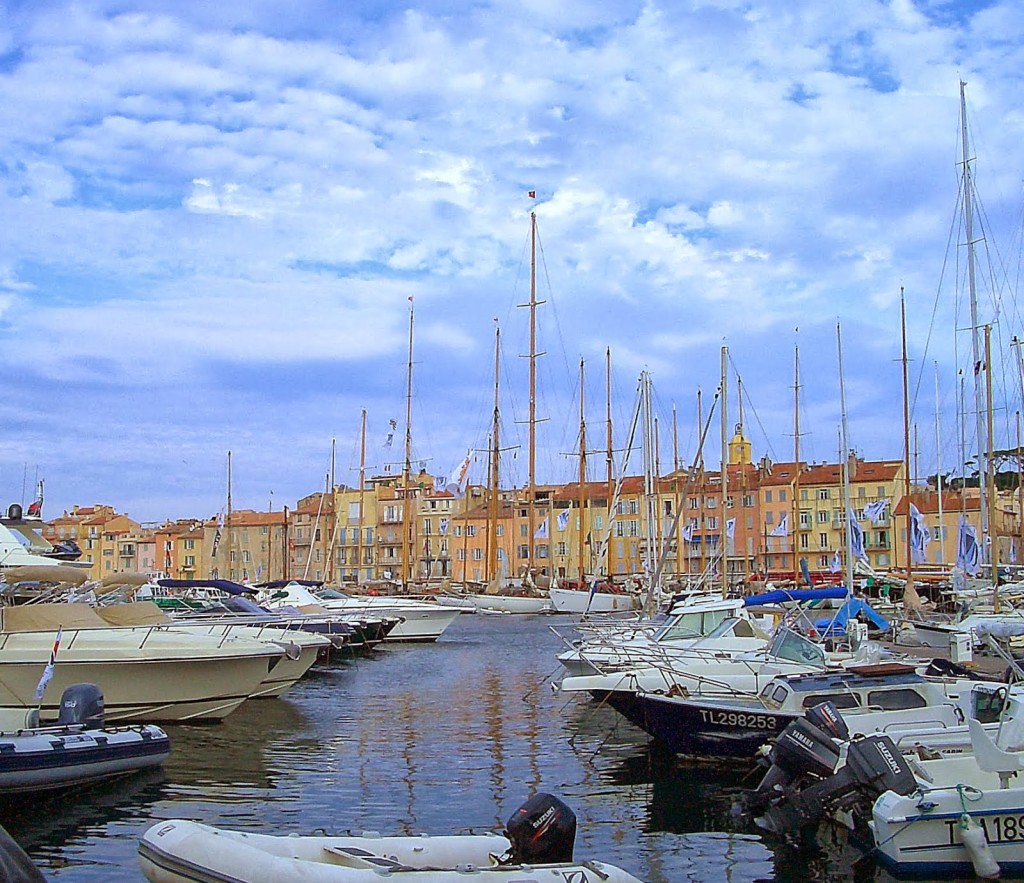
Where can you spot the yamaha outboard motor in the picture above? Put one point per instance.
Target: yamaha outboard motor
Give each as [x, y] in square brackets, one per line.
[542, 831]
[804, 749]
[81, 704]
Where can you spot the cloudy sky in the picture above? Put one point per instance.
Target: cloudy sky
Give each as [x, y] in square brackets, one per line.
[214, 217]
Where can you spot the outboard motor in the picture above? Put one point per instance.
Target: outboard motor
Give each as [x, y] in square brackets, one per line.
[81, 704]
[542, 831]
[873, 766]
[806, 748]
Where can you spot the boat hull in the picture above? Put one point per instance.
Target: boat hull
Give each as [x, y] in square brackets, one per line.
[519, 604]
[912, 842]
[179, 851]
[145, 674]
[60, 757]
[582, 601]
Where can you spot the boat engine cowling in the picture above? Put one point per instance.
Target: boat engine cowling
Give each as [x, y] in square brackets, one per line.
[542, 831]
[81, 704]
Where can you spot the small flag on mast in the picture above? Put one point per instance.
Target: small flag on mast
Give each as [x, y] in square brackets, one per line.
[48, 671]
[533, 194]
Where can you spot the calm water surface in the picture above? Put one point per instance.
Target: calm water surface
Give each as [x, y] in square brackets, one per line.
[442, 738]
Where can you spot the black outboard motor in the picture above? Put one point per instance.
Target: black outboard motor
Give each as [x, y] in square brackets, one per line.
[81, 704]
[542, 831]
[873, 766]
[806, 748]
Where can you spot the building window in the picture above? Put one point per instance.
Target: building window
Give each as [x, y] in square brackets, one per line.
[748, 501]
[768, 496]
[822, 516]
[782, 495]
[769, 518]
[823, 493]
[823, 541]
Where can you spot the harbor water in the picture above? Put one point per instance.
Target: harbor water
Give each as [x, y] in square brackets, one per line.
[441, 738]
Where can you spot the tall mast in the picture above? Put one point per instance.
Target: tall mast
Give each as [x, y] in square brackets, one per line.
[725, 475]
[532, 477]
[938, 470]
[227, 522]
[909, 589]
[979, 402]
[362, 492]
[407, 467]
[845, 466]
[332, 533]
[795, 506]
[677, 537]
[609, 454]
[582, 479]
[700, 484]
[492, 503]
[990, 472]
[650, 491]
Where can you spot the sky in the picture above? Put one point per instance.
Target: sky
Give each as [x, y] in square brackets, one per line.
[221, 220]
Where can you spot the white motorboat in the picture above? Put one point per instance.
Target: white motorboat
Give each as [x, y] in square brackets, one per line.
[602, 598]
[79, 748]
[153, 673]
[504, 602]
[421, 621]
[536, 848]
[710, 624]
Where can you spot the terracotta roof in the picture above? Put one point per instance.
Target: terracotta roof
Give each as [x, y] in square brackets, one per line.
[927, 503]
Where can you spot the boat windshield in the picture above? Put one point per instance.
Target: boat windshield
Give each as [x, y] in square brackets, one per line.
[695, 624]
[332, 595]
[792, 647]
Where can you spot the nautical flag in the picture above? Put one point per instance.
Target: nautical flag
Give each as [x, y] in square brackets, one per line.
[542, 531]
[392, 426]
[782, 530]
[444, 526]
[216, 542]
[259, 571]
[563, 519]
[440, 482]
[920, 536]
[837, 563]
[688, 532]
[730, 527]
[968, 551]
[1013, 552]
[856, 537]
[35, 508]
[48, 671]
[533, 194]
[875, 510]
[462, 470]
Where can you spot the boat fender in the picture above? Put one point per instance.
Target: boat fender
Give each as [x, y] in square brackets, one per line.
[972, 835]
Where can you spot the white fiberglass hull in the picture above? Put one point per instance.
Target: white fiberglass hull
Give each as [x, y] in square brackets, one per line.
[420, 620]
[146, 673]
[521, 604]
[582, 601]
[178, 851]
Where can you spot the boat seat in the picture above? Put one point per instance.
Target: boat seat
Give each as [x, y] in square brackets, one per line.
[991, 757]
[354, 857]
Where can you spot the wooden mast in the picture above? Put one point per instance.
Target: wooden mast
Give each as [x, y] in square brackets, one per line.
[407, 467]
[532, 456]
[362, 493]
[700, 484]
[492, 502]
[724, 546]
[845, 466]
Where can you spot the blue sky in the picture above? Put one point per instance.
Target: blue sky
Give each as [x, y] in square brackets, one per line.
[215, 215]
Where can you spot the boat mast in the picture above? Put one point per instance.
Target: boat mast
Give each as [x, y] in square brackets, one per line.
[492, 503]
[650, 490]
[909, 588]
[532, 457]
[700, 484]
[845, 466]
[609, 454]
[795, 507]
[990, 472]
[407, 467]
[582, 480]
[979, 403]
[227, 522]
[362, 492]
[938, 470]
[725, 475]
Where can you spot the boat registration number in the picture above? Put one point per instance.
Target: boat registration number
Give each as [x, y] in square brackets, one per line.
[738, 719]
[998, 829]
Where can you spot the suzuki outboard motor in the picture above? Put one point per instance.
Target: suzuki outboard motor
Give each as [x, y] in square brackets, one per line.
[542, 831]
[81, 704]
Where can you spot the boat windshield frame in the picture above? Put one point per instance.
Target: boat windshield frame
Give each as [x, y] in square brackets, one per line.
[794, 647]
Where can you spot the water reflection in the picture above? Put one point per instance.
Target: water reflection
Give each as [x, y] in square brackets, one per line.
[443, 738]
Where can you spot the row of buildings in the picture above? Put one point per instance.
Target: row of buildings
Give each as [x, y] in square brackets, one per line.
[773, 517]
